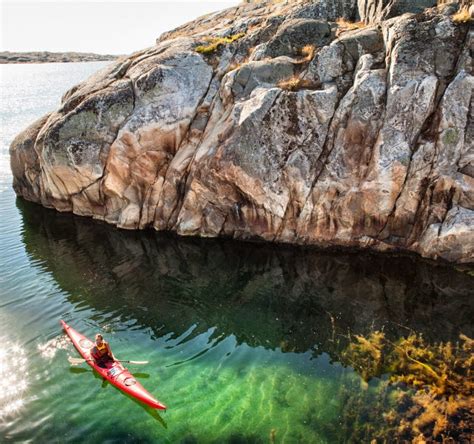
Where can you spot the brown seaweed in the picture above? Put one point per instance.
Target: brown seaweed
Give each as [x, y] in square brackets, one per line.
[430, 387]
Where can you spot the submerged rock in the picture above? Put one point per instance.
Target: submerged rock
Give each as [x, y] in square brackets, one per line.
[267, 121]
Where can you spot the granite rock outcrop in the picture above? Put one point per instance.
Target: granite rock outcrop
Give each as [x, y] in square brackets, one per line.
[273, 121]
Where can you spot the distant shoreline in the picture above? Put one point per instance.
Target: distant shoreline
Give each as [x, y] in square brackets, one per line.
[8, 57]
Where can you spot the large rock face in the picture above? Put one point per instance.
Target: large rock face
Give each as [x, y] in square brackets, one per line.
[300, 131]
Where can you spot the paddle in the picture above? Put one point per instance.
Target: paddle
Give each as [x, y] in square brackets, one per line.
[76, 361]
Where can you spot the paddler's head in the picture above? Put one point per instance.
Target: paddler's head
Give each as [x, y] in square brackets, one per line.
[99, 339]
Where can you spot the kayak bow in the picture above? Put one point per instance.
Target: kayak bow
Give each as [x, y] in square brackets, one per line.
[115, 372]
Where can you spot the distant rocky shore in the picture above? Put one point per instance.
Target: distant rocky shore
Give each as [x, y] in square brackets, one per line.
[53, 57]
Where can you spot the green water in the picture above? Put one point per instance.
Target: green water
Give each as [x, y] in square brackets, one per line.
[241, 339]
[244, 340]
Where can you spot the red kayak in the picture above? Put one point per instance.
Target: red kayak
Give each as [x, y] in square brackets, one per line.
[115, 372]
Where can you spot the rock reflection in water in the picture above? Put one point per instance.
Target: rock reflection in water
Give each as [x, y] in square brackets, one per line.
[265, 295]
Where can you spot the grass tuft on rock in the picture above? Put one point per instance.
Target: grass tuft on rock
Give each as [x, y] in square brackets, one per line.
[296, 84]
[462, 16]
[307, 52]
[347, 25]
[215, 43]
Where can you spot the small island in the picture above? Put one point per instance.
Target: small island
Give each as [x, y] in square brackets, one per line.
[53, 57]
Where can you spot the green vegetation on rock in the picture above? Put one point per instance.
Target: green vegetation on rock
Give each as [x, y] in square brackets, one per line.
[217, 42]
[451, 136]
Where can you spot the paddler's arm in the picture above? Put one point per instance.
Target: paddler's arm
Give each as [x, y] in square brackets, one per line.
[109, 351]
[93, 354]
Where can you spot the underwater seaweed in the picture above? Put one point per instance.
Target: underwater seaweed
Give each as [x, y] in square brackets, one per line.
[434, 387]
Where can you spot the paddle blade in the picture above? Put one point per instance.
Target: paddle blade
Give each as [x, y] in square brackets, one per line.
[75, 361]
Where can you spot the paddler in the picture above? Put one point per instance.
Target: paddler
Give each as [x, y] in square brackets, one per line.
[101, 352]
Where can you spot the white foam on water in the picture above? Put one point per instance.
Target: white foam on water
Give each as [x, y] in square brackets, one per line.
[49, 349]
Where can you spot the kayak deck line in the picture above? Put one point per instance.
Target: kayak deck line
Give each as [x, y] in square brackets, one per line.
[114, 372]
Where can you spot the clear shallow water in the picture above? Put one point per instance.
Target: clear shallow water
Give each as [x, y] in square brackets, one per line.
[243, 340]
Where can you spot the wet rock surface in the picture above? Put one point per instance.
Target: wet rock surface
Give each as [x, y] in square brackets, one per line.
[292, 128]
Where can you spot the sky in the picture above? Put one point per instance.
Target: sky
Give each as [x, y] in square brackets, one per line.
[103, 27]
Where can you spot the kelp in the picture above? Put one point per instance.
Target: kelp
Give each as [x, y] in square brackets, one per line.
[430, 386]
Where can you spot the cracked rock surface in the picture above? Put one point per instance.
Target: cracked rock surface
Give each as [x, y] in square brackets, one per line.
[302, 131]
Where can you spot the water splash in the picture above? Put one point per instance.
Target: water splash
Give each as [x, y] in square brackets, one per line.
[49, 349]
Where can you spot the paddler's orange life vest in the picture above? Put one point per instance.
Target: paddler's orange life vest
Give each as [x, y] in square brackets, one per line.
[99, 350]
